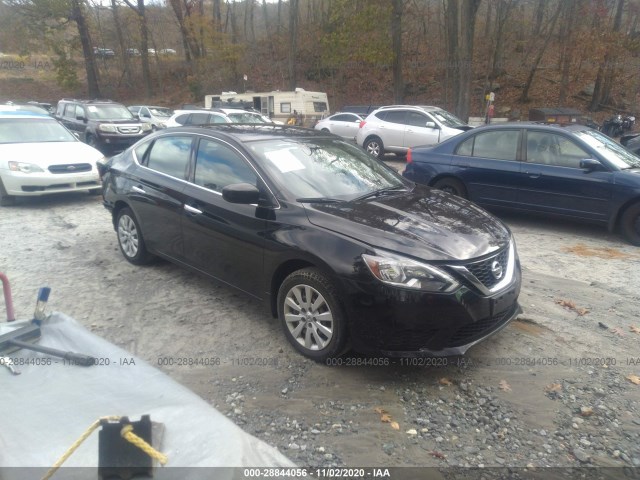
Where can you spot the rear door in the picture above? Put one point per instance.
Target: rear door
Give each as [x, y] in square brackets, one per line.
[345, 125]
[489, 163]
[156, 193]
[391, 128]
[554, 182]
[223, 239]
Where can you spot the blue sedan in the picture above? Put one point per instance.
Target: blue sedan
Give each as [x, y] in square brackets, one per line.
[566, 171]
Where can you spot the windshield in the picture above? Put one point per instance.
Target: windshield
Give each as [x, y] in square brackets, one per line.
[609, 149]
[161, 112]
[246, 117]
[109, 112]
[324, 169]
[447, 119]
[31, 130]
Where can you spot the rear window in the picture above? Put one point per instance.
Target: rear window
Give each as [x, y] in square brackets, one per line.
[170, 155]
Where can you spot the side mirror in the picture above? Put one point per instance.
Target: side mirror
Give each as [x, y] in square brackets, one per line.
[591, 164]
[431, 125]
[243, 193]
[81, 118]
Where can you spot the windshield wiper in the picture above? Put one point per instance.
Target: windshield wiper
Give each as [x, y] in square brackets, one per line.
[382, 191]
[319, 200]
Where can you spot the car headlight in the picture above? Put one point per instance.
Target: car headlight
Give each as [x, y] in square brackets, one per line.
[105, 127]
[24, 167]
[404, 272]
[146, 127]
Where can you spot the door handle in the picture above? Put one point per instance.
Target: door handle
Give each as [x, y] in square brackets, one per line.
[191, 209]
[135, 188]
[532, 175]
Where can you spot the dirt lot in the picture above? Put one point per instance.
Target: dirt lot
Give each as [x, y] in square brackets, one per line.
[558, 387]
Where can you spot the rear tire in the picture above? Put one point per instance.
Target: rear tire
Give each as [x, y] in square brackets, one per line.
[6, 200]
[452, 186]
[374, 146]
[311, 315]
[130, 238]
[630, 224]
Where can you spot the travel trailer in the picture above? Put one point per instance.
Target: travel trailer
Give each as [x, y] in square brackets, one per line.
[281, 106]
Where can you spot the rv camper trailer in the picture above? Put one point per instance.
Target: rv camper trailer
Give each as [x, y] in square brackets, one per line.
[310, 106]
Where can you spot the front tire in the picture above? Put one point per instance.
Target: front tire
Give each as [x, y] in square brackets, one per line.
[630, 224]
[374, 146]
[312, 317]
[130, 238]
[6, 200]
[452, 186]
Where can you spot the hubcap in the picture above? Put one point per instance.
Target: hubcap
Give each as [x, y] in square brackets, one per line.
[128, 236]
[308, 317]
[374, 149]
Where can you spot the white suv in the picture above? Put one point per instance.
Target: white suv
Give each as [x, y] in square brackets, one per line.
[396, 128]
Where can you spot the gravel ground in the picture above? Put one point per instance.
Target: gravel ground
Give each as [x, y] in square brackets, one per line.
[555, 388]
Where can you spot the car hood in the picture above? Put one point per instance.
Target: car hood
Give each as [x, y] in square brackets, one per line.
[49, 153]
[425, 223]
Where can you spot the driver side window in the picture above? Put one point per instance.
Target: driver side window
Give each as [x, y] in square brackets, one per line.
[217, 166]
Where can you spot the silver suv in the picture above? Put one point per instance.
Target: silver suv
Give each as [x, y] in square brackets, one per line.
[396, 128]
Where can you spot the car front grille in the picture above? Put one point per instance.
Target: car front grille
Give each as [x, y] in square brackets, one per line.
[479, 329]
[70, 168]
[483, 270]
[129, 130]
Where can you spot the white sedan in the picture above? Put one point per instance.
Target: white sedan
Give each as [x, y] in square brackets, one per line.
[343, 124]
[39, 156]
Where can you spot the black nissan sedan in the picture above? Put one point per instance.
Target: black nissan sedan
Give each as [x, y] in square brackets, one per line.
[340, 247]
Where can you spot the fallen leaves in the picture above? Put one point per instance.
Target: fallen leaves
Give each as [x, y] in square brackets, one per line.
[600, 252]
[504, 386]
[570, 305]
[553, 387]
[445, 381]
[635, 379]
[385, 417]
[439, 455]
[634, 329]
[618, 331]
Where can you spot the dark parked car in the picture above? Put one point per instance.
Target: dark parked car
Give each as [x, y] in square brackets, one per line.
[567, 171]
[103, 124]
[338, 245]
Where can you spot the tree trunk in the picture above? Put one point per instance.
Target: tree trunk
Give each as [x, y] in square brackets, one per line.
[293, 31]
[141, 15]
[77, 12]
[607, 73]
[460, 17]
[567, 49]
[396, 36]
[534, 67]
[217, 15]
[126, 65]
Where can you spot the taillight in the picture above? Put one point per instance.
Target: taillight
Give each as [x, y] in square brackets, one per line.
[361, 124]
[409, 157]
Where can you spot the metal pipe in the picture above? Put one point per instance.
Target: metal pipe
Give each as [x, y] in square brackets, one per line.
[6, 288]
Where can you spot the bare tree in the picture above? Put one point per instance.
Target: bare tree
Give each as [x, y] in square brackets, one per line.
[567, 48]
[293, 33]
[140, 12]
[396, 38]
[79, 17]
[460, 17]
[123, 49]
[607, 69]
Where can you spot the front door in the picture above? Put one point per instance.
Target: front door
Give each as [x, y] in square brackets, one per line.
[417, 132]
[555, 183]
[223, 239]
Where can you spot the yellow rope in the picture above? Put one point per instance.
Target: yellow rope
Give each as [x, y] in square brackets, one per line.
[127, 434]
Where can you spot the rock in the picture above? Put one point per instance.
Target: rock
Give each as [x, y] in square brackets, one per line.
[294, 446]
[412, 431]
[284, 391]
[589, 89]
[471, 450]
[581, 455]
[388, 448]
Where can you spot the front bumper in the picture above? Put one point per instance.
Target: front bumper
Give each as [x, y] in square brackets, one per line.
[42, 183]
[401, 322]
[119, 140]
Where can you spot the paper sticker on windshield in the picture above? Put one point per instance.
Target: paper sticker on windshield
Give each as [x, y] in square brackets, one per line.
[92, 109]
[284, 160]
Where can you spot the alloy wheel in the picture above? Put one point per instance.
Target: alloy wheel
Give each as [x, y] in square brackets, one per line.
[308, 317]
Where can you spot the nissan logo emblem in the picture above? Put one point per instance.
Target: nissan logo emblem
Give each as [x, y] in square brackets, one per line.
[496, 270]
[70, 167]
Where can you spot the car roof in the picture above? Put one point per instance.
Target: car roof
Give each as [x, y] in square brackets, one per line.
[201, 110]
[540, 125]
[254, 131]
[24, 114]
[428, 108]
